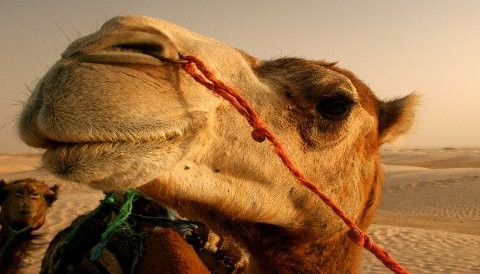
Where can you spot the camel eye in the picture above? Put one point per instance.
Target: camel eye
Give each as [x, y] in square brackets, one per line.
[334, 108]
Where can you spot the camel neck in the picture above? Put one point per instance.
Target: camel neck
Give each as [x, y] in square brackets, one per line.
[13, 250]
[277, 251]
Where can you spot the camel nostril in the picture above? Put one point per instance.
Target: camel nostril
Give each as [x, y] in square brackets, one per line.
[144, 48]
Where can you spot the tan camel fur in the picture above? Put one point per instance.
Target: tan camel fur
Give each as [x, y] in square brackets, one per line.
[113, 112]
[24, 206]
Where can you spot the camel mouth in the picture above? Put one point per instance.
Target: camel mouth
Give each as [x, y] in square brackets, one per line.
[184, 127]
[164, 137]
[55, 147]
[53, 144]
[93, 161]
[161, 138]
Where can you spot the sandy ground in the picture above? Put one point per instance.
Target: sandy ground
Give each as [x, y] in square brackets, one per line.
[429, 217]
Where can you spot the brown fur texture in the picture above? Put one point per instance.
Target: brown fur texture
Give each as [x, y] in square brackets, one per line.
[24, 204]
[117, 111]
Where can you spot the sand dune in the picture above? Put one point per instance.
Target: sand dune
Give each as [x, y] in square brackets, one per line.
[434, 158]
[425, 251]
[429, 217]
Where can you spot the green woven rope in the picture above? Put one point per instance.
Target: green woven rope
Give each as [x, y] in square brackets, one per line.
[125, 211]
[123, 215]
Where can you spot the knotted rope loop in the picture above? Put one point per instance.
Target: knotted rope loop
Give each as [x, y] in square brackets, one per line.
[360, 238]
[227, 93]
[261, 132]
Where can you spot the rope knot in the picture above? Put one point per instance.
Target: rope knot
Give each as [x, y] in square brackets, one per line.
[259, 134]
[360, 238]
[357, 236]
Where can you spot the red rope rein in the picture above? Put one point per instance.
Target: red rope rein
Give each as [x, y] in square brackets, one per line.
[261, 132]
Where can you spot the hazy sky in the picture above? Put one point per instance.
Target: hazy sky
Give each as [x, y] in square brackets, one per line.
[432, 47]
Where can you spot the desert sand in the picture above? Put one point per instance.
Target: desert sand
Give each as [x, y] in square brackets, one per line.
[429, 217]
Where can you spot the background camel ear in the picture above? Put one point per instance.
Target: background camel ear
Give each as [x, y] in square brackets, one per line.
[396, 117]
[54, 189]
[51, 195]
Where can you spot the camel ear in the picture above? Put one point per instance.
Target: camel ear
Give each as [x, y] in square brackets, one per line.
[396, 117]
[54, 189]
[51, 196]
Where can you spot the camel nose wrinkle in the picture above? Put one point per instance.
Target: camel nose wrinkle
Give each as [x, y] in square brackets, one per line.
[122, 41]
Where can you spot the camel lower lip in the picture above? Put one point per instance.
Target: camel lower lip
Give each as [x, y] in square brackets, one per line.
[57, 145]
[117, 161]
[190, 126]
[53, 145]
[85, 147]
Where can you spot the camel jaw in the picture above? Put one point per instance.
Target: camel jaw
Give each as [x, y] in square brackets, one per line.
[108, 165]
[123, 157]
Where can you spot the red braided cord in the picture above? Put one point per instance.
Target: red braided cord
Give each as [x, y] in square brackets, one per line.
[261, 132]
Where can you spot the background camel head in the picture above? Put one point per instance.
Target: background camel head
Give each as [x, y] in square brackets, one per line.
[25, 202]
[113, 112]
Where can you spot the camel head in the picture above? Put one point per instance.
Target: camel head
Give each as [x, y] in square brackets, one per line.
[117, 111]
[25, 203]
